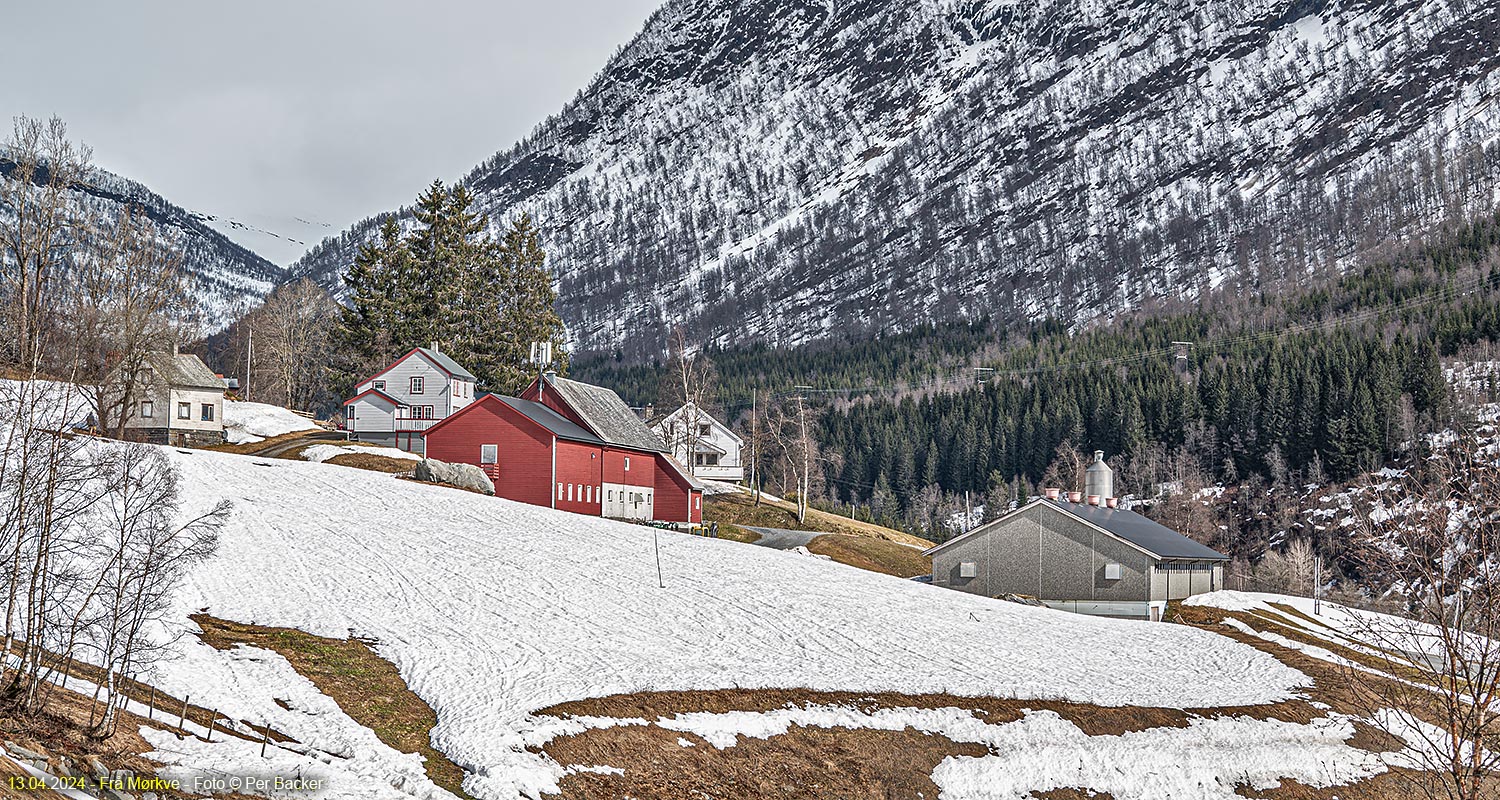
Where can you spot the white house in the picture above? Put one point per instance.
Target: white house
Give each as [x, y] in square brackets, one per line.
[418, 390]
[181, 402]
[695, 438]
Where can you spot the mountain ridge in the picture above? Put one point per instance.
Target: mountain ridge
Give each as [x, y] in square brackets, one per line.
[781, 171]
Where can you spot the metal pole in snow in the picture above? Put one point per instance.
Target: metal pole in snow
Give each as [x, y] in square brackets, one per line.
[1317, 585]
[661, 582]
[183, 716]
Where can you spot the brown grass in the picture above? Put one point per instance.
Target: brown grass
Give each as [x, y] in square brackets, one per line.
[876, 555]
[740, 509]
[367, 687]
[373, 462]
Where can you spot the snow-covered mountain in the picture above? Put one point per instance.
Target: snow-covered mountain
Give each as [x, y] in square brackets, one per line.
[226, 277]
[781, 170]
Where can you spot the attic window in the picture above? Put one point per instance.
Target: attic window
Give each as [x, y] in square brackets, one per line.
[1112, 572]
[703, 430]
[379, 386]
[488, 453]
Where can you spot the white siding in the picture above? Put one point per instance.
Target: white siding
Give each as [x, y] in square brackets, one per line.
[445, 395]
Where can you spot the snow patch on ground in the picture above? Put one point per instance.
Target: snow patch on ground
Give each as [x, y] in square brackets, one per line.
[322, 452]
[246, 423]
[492, 610]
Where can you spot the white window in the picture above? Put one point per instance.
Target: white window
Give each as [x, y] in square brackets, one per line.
[570, 493]
[698, 501]
[417, 384]
[559, 491]
[589, 498]
[627, 463]
[184, 410]
[207, 414]
[1112, 572]
[379, 385]
[148, 408]
[967, 569]
[488, 453]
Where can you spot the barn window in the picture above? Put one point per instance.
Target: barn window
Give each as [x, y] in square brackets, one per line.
[417, 385]
[967, 569]
[488, 453]
[627, 463]
[559, 491]
[1112, 572]
[147, 408]
[570, 493]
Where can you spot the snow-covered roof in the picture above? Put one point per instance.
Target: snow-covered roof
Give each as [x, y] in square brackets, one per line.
[605, 413]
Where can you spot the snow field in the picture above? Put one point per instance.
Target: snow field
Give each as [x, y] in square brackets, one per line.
[322, 452]
[493, 609]
[246, 423]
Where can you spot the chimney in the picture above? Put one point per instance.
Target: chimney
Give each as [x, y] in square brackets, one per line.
[649, 412]
[174, 347]
[1052, 494]
[433, 347]
[1112, 502]
[1075, 497]
[1099, 479]
[1093, 499]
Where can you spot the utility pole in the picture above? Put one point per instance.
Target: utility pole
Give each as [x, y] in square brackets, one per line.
[982, 375]
[249, 354]
[754, 445]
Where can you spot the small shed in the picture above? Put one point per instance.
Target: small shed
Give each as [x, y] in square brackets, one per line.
[1091, 559]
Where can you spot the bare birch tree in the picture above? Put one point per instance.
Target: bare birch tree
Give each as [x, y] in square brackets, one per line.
[1434, 536]
[689, 384]
[40, 221]
[294, 336]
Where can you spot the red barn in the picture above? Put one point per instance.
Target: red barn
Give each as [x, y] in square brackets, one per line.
[572, 446]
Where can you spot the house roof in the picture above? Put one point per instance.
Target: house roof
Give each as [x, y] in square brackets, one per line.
[184, 369]
[659, 420]
[447, 364]
[393, 401]
[1145, 534]
[672, 464]
[559, 425]
[606, 414]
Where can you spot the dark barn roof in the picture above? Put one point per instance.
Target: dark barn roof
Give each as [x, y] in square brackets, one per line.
[1143, 532]
[606, 413]
[560, 426]
[1153, 537]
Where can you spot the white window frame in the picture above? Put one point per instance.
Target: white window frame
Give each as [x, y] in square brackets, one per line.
[184, 410]
[378, 386]
[1113, 571]
[418, 385]
[489, 453]
[968, 569]
[627, 463]
[559, 491]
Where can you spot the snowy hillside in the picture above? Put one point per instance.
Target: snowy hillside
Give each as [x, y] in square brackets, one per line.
[492, 610]
[226, 278]
[779, 170]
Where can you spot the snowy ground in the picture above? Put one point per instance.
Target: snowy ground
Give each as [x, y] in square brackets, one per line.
[322, 452]
[493, 609]
[245, 423]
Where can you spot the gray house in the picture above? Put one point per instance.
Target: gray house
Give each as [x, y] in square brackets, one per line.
[1079, 554]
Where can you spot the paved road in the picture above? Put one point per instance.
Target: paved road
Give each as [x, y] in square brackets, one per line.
[783, 539]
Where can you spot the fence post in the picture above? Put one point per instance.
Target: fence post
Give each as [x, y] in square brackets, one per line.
[265, 736]
[151, 705]
[183, 716]
[213, 716]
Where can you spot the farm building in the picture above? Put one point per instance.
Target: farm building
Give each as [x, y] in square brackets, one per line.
[696, 438]
[417, 391]
[180, 402]
[1080, 552]
[572, 446]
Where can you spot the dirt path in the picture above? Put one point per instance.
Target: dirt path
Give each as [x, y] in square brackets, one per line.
[781, 538]
[283, 446]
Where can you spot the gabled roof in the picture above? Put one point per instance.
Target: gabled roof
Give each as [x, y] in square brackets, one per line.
[658, 421]
[605, 413]
[559, 425]
[184, 370]
[440, 360]
[1128, 526]
[447, 364]
[393, 401]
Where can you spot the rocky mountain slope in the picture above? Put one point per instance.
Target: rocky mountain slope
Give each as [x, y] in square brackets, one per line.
[226, 277]
[782, 170]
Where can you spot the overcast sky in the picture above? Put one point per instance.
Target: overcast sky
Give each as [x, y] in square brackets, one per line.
[273, 112]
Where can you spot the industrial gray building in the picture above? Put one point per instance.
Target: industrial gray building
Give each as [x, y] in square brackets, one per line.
[1081, 553]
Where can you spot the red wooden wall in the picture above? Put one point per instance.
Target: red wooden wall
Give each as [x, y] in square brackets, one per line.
[524, 467]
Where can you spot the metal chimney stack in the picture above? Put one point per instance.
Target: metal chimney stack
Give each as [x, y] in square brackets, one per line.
[1099, 479]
